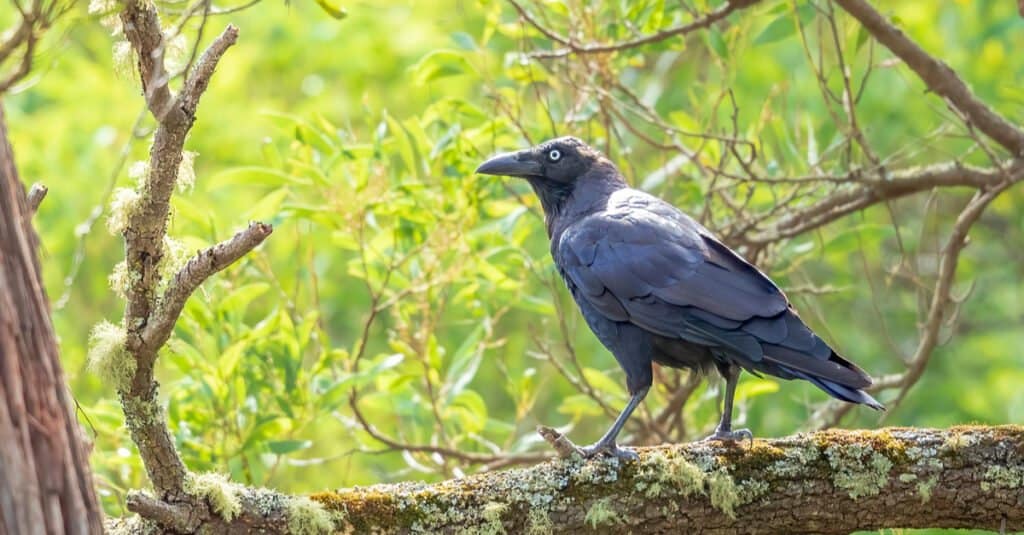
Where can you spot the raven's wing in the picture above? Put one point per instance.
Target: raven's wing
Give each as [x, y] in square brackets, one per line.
[645, 262]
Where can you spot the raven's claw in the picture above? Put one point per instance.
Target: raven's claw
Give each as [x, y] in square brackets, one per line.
[609, 449]
[731, 436]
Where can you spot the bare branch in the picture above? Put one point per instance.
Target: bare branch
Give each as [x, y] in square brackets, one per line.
[572, 47]
[36, 194]
[143, 31]
[938, 76]
[178, 517]
[870, 191]
[199, 79]
[199, 268]
[563, 446]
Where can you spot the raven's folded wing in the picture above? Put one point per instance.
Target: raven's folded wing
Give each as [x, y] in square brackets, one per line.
[647, 263]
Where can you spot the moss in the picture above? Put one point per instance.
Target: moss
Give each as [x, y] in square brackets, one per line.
[907, 478]
[658, 473]
[187, 171]
[308, 517]
[107, 355]
[924, 488]
[601, 513]
[539, 523]
[124, 202]
[858, 468]
[724, 494]
[1001, 477]
[221, 494]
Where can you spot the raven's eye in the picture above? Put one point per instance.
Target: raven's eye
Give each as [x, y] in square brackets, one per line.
[554, 155]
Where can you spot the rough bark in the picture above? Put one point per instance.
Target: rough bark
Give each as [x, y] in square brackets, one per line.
[45, 482]
[827, 482]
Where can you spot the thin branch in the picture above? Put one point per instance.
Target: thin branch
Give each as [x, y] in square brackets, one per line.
[199, 268]
[142, 29]
[180, 518]
[572, 47]
[36, 194]
[938, 76]
[199, 79]
[870, 191]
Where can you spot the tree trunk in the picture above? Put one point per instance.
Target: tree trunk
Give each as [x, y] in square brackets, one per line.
[45, 482]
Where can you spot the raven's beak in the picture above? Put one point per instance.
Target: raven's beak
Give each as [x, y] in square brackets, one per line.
[518, 164]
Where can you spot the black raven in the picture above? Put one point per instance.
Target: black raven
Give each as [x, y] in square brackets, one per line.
[655, 286]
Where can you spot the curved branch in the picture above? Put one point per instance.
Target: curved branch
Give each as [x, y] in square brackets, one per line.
[938, 76]
[571, 47]
[827, 482]
[199, 268]
[872, 190]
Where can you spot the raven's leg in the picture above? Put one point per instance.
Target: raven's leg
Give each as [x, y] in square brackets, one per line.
[607, 443]
[724, 430]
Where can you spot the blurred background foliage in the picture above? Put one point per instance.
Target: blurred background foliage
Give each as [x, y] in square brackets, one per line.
[404, 321]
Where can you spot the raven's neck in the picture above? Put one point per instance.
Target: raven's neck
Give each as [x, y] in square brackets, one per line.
[553, 198]
[567, 202]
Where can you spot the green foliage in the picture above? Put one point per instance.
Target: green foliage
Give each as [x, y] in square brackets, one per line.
[397, 278]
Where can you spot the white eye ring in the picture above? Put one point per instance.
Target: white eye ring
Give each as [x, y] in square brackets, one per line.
[554, 155]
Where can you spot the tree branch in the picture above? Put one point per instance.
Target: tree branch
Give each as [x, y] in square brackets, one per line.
[149, 321]
[827, 482]
[867, 191]
[938, 76]
[199, 79]
[36, 194]
[572, 47]
[199, 268]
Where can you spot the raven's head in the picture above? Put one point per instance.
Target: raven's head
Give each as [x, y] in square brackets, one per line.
[558, 162]
[555, 169]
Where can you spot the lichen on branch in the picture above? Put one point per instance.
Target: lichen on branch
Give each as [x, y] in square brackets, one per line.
[969, 476]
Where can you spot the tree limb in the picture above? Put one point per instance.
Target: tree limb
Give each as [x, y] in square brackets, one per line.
[827, 482]
[867, 191]
[938, 76]
[199, 268]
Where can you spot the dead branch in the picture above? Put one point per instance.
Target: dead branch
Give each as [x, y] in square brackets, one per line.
[36, 194]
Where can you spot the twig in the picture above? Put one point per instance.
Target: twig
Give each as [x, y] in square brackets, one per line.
[36, 194]
[563, 446]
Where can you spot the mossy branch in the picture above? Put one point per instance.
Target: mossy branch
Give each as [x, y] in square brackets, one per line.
[128, 354]
[826, 482]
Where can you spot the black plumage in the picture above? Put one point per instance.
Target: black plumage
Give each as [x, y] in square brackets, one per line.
[656, 286]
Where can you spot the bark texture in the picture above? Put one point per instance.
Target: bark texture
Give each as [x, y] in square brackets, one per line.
[45, 482]
[826, 482]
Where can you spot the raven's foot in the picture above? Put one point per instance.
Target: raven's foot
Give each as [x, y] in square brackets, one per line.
[609, 449]
[732, 436]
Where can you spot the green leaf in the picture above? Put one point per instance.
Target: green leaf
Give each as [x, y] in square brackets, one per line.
[269, 206]
[604, 384]
[466, 361]
[464, 40]
[238, 300]
[281, 447]
[778, 29]
[438, 64]
[332, 10]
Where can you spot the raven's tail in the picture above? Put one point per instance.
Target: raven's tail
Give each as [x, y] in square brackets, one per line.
[838, 391]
